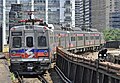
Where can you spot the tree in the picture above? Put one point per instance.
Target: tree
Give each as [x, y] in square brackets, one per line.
[111, 34]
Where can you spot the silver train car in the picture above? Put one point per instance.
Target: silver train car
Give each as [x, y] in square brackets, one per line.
[31, 47]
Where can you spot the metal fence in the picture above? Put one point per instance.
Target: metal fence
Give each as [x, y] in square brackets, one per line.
[112, 44]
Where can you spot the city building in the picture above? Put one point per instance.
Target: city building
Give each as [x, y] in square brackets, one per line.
[67, 13]
[105, 14]
[84, 14]
[78, 13]
[92, 14]
[4, 18]
[98, 14]
[114, 14]
[15, 15]
[54, 11]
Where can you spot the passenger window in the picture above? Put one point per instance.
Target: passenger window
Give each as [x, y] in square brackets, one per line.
[51, 39]
[62, 39]
[17, 42]
[91, 37]
[80, 38]
[29, 41]
[42, 41]
[97, 37]
[86, 38]
[72, 38]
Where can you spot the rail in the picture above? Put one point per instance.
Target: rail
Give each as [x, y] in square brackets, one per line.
[20, 79]
[23, 80]
[63, 77]
[42, 79]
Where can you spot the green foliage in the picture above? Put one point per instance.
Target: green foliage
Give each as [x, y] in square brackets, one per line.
[111, 34]
[12, 76]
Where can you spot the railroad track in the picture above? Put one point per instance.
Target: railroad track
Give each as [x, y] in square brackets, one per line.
[20, 78]
[42, 79]
[50, 76]
[29, 79]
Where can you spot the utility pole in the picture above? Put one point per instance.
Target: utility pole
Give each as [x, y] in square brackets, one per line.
[32, 8]
[4, 41]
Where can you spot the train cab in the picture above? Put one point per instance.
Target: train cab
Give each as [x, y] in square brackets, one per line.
[29, 46]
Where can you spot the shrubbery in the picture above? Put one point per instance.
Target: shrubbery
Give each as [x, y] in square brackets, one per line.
[111, 34]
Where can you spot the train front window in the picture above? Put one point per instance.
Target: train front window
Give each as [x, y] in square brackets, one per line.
[17, 42]
[29, 41]
[42, 41]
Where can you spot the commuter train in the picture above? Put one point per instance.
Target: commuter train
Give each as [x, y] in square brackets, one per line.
[32, 47]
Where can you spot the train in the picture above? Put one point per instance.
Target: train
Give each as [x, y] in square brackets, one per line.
[32, 47]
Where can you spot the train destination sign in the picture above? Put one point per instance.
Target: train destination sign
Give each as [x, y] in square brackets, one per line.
[16, 33]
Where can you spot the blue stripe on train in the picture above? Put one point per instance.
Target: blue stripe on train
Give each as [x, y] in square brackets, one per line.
[33, 50]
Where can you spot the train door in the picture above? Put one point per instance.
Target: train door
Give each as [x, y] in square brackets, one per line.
[80, 39]
[62, 39]
[51, 42]
[92, 39]
[87, 35]
[29, 43]
[72, 40]
[97, 39]
[67, 39]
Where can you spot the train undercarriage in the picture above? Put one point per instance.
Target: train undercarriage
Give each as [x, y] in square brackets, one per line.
[29, 67]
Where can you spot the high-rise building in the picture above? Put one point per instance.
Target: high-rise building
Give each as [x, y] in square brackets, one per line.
[67, 13]
[41, 9]
[15, 15]
[85, 14]
[1, 12]
[54, 11]
[4, 11]
[114, 14]
[92, 14]
[98, 14]
[78, 7]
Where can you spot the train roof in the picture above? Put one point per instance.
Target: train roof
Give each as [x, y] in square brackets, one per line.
[31, 27]
[51, 28]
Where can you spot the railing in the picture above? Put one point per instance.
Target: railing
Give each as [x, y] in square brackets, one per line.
[108, 69]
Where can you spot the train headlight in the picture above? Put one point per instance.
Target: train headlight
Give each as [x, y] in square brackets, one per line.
[45, 52]
[105, 55]
[13, 52]
[100, 55]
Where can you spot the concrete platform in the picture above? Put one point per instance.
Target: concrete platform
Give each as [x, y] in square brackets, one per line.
[4, 72]
[114, 52]
[2, 55]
